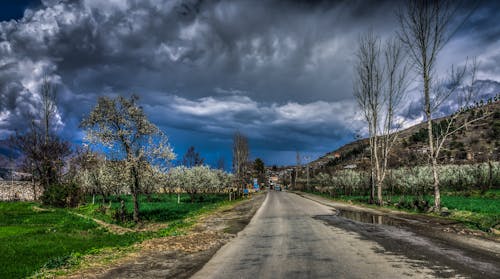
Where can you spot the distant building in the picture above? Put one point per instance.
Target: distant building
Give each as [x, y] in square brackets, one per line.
[273, 179]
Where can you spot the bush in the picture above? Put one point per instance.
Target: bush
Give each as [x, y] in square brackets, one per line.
[62, 195]
[495, 129]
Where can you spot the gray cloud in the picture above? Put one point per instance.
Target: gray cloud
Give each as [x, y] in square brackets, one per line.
[280, 70]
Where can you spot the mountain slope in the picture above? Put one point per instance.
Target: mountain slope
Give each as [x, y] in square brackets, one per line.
[477, 143]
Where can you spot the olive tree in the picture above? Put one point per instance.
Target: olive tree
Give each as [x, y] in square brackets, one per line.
[122, 126]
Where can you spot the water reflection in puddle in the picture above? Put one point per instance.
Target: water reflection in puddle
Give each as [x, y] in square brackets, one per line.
[366, 217]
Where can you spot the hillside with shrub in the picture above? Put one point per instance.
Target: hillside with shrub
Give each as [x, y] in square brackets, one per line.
[474, 144]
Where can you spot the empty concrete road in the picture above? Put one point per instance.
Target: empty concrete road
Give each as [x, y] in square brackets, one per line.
[289, 238]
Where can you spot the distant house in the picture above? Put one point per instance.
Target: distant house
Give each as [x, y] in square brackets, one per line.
[273, 179]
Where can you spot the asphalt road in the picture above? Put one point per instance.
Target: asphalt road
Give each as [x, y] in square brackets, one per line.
[294, 237]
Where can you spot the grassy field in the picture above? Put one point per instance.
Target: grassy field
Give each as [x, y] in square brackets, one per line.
[473, 209]
[160, 208]
[32, 238]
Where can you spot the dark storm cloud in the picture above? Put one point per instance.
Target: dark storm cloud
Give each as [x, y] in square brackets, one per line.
[279, 71]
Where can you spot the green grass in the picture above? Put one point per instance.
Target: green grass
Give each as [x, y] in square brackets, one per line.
[471, 208]
[30, 240]
[160, 208]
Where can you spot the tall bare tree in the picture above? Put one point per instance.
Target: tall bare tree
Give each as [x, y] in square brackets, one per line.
[424, 31]
[240, 156]
[367, 90]
[379, 85]
[44, 151]
[48, 95]
[122, 126]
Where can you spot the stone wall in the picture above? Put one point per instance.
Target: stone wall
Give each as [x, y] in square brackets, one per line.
[17, 191]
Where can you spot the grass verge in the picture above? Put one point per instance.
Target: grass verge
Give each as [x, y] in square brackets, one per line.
[34, 239]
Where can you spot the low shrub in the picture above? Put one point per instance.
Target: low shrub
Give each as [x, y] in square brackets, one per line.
[62, 195]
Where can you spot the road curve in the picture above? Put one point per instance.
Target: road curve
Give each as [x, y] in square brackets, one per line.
[286, 239]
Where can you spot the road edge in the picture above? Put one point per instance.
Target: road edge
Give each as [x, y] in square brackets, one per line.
[481, 244]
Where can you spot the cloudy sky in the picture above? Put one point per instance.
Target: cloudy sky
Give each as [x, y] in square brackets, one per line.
[278, 71]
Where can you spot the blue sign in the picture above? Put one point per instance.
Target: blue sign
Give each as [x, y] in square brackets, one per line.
[255, 184]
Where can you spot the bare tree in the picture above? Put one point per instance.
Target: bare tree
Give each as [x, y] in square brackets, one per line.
[221, 163]
[192, 158]
[44, 151]
[379, 85]
[122, 126]
[367, 90]
[48, 95]
[240, 157]
[424, 32]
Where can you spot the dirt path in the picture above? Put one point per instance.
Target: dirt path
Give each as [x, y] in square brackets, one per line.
[110, 227]
[183, 255]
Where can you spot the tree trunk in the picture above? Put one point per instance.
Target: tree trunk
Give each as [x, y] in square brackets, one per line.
[486, 186]
[437, 194]
[433, 155]
[372, 188]
[379, 193]
[122, 210]
[135, 193]
[136, 207]
[192, 196]
[34, 184]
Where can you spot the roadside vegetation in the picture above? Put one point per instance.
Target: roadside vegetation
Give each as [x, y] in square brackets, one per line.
[120, 187]
[471, 193]
[33, 236]
[467, 193]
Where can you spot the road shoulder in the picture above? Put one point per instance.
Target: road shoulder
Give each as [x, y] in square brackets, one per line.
[429, 226]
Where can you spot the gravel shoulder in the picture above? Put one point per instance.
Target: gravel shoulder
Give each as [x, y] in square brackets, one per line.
[178, 256]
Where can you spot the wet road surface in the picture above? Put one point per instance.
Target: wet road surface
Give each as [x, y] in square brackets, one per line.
[294, 237]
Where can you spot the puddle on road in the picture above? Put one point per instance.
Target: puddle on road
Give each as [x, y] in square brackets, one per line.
[366, 217]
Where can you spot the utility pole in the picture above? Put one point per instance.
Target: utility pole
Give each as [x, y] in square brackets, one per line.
[297, 170]
[306, 158]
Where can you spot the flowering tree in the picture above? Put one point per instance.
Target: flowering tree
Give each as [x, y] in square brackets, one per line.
[198, 180]
[121, 125]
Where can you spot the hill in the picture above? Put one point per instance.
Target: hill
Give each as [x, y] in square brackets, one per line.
[476, 143]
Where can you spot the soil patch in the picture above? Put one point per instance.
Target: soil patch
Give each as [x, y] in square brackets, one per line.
[180, 256]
